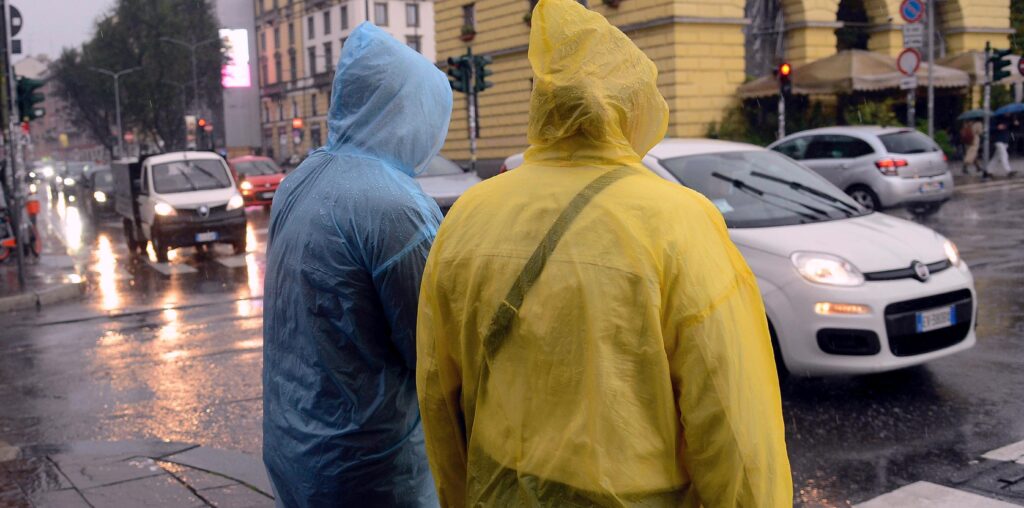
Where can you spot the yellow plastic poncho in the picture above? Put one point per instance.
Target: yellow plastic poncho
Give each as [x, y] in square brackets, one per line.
[636, 369]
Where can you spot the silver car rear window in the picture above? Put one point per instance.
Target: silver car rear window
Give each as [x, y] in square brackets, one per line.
[906, 142]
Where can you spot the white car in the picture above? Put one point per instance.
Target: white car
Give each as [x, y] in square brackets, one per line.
[846, 290]
[445, 181]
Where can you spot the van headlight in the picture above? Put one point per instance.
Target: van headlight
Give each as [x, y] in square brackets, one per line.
[235, 202]
[164, 210]
[826, 269]
[952, 253]
[100, 196]
[70, 182]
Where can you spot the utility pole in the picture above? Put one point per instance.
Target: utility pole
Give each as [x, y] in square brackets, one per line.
[930, 12]
[8, 136]
[987, 105]
[117, 101]
[191, 46]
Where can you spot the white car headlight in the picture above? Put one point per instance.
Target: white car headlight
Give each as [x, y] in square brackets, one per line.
[163, 209]
[826, 269]
[69, 182]
[235, 202]
[48, 171]
[100, 196]
[952, 253]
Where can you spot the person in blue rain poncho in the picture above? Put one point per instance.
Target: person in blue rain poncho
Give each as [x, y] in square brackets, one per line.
[350, 231]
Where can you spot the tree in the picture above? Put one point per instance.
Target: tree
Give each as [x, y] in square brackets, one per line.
[132, 35]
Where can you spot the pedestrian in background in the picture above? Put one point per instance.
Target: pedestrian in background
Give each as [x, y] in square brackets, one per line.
[349, 234]
[970, 136]
[588, 334]
[1001, 142]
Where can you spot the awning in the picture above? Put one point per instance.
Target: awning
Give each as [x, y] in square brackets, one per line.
[973, 63]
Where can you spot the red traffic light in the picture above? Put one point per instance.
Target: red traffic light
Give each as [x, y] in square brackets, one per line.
[202, 122]
[297, 123]
[785, 70]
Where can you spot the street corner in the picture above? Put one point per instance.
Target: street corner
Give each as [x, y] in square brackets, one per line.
[130, 473]
[70, 288]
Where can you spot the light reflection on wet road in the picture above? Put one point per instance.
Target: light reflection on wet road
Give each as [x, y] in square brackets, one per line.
[178, 357]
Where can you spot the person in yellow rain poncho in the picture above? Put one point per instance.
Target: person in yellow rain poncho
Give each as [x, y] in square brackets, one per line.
[587, 333]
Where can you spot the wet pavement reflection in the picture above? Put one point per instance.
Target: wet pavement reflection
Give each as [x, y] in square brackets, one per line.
[174, 351]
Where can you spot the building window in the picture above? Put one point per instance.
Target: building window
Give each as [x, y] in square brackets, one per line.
[295, 108]
[412, 15]
[311, 56]
[380, 14]
[278, 75]
[291, 34]
[414, 42]
[327, 22]
[328, 56]
[314, 135]
[277, 37]
[263, 41]
[292, 67]
[469, 15]
[266, 112]
[344, 17]
[264, 71]
[315, 110]
[310, 31]
[280, 111]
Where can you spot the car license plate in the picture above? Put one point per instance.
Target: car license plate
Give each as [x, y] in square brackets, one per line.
[931, 187]
[209, 236]
[267, 195]
[934, 319]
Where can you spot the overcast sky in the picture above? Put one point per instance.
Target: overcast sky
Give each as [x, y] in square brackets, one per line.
[50, 25]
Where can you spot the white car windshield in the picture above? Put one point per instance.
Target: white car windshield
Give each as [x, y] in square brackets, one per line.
[190, 175]
[761, 189]
[439, 166]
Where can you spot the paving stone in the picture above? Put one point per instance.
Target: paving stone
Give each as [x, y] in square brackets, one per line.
[240, 466]
[90, 472]
[10, 494]
[236, 496]
[36, 474]
[127, 448]
[198, 480]
[152, 492]
[59, 499]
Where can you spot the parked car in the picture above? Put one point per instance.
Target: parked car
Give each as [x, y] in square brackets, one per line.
[880, 167]
[97, 192]
[445, 181]
[258, 178]
[178, 199]
[70, 179]
[846, 290]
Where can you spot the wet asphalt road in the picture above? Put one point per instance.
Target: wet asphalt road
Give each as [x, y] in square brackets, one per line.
[178, 357]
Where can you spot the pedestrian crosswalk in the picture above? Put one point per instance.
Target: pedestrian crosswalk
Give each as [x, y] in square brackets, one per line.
[931, 495]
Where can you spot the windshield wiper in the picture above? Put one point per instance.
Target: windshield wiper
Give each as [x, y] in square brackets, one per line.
[834, 201]
[204, 171]
[189, 180]
[760, 194]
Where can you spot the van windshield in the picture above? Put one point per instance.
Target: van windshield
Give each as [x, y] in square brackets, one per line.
[191, 175]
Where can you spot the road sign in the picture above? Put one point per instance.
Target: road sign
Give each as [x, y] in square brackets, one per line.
[912, 10]
[16, 21]
[913, 35]
[908, 83]
[908, 61]
[1020, 66]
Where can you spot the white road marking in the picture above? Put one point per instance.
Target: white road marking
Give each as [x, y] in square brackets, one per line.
[169, 269]
[1014, 452]
[232, 261]
[930, 495]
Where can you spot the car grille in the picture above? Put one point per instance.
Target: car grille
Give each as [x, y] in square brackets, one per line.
[907, 273]
[901, 323]
[192, 215]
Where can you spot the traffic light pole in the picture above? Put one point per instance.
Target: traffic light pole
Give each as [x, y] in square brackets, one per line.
[782, 116]
[471, 111]
[987, 106]
[930, 12]
[11, 160]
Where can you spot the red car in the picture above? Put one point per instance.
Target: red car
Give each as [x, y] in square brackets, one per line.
[257, 177]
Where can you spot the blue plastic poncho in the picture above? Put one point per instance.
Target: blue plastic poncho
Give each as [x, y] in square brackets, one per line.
[349, 235]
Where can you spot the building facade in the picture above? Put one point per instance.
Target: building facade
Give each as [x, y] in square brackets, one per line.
[299, 43]
[240, 118]
[699, 46]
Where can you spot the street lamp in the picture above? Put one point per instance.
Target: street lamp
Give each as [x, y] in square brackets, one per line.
[117, 101]
[191, 46]
[184, 102]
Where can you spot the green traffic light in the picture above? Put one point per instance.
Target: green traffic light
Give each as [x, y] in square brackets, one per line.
[999, 64]
[459, 72]
[28, 98]
[481, 63]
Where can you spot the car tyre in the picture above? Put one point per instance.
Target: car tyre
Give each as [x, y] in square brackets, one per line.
[160, 249]
[865, 197]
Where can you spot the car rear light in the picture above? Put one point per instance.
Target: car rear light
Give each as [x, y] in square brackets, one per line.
[9, 243]
[888, 166]
[502, 169]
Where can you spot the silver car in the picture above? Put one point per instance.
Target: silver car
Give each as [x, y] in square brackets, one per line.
[445, 181]
[880, 167]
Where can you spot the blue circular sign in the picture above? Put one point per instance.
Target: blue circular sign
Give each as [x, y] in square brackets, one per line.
[912, 10]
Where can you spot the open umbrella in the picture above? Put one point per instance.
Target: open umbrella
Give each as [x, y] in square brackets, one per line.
[1010, 109]
[974, 114]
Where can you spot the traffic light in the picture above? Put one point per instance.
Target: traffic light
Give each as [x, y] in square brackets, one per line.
[202, 122]
[481, 63]
[785, 74]
[460, 73]
[999, 64]
[28, 98]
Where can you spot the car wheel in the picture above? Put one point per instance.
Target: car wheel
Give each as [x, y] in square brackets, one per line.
[865, 197]
[161, 250]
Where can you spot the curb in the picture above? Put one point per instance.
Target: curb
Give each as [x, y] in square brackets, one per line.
[42, 297]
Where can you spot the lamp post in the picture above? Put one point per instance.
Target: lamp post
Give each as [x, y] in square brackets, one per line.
[117, 101]
[191, 46]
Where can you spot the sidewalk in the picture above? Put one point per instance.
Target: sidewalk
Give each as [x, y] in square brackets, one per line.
[131, 473]
[960, 179]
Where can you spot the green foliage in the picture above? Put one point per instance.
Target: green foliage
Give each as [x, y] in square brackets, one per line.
[941, 138]
[756, 121]
[1017, 23]
[871, 112]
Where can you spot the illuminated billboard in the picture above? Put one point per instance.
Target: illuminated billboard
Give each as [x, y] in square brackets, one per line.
[235, 73]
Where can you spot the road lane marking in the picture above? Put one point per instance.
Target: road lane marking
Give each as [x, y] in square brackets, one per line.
[1014, 452]
[233, 261]
[930, 495]
[169, 269]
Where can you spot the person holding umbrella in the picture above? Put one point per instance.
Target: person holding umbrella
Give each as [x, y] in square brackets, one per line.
[1001, 140]
[970, 136]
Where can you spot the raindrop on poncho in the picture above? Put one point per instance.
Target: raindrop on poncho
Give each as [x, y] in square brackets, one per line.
[349, 235]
